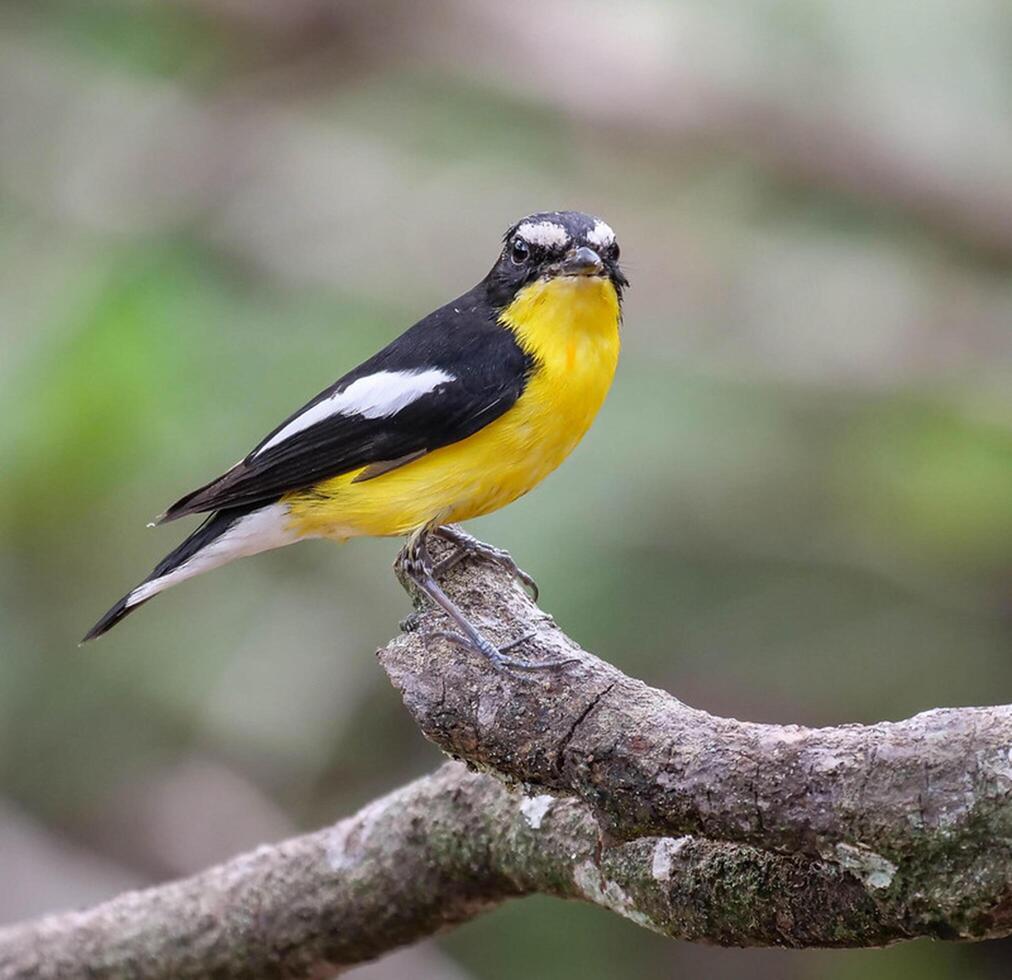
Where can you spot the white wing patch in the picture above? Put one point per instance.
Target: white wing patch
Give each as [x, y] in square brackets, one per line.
[375, 396]
[261, 530]
[548, 234]
[601, 234]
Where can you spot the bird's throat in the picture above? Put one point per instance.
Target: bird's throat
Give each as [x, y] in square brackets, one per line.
[553, 319]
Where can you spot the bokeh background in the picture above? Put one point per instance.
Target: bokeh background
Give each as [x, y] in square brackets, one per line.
[795, 507]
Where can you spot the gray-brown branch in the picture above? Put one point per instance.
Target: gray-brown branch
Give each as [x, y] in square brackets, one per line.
[433, 854]
[919, 811]
[698, 827]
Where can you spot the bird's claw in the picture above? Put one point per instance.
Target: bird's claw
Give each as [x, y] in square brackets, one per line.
[498, 656]
[466, 545]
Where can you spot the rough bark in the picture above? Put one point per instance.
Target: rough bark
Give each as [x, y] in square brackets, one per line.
[920, 810]
[430, 855]
[697, 827]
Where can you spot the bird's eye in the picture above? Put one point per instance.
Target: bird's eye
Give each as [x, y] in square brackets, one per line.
[613, 251]
[519, 251]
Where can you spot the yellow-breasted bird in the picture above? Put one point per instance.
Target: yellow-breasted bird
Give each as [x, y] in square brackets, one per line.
[462, 414]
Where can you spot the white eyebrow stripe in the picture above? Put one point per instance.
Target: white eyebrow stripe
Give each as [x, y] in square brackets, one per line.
[601, 234]
[545, 233]
[376, 396]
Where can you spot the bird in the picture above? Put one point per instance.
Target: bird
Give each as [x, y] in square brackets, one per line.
[462, 414]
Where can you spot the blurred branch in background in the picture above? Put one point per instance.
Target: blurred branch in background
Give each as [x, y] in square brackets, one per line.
[244, 132]
[632, 57]
[809, 137]
[695, 827]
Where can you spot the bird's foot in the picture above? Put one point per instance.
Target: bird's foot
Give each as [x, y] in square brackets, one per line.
[499, 656]
[468, 545]
[411, 622]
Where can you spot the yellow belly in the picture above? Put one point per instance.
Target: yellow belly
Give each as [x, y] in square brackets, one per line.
[570, 326]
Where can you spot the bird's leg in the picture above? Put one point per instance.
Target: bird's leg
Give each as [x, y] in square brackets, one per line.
[466, 544]
[417, 565]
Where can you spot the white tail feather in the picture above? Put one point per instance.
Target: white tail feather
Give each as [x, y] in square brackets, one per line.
[261, 530]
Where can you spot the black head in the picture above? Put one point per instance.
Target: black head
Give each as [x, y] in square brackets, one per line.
[550, 244]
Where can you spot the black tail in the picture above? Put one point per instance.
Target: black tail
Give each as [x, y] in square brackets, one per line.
[112, 617]
[215, 526]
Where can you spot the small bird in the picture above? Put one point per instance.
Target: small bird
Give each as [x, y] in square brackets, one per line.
[466, 411]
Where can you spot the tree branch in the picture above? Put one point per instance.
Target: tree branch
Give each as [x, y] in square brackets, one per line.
[426, 857]
[698, 827]
[919, 810]
[404, 867]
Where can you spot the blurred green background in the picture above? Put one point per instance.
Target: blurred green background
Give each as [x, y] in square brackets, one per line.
[795, 507]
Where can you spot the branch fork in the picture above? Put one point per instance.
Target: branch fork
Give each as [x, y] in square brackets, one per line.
[694, 826]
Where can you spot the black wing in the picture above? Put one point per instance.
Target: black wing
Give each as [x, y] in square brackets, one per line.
[486, 372]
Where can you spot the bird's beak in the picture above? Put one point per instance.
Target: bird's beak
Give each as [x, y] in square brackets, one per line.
[582, 261]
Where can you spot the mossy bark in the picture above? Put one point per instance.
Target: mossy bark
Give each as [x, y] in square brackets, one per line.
[585, 784]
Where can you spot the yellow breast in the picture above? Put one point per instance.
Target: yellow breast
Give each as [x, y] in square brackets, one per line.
[570, 327]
